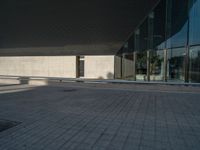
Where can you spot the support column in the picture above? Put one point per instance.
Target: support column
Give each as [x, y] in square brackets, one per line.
[123, 66]
[187, 64]
[77, 66]
[148, 65]
[121, 62]
[165, 65]
[134, 65]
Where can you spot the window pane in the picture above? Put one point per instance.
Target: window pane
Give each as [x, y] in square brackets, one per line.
[195, 64]
[194, 15]
[144, 35]
[176, 64]
[159, 25]
[141, 66]
[128, 66]
[177, 23]
[157, 65]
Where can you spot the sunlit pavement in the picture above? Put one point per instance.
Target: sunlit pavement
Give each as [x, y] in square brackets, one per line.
[79, 116]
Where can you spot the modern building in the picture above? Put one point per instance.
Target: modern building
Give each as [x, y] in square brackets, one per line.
[165, 46]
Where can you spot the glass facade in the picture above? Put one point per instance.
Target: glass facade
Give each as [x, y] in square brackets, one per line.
[177, 23]
[194, 22]
[176, 66]
[166, 45]
[157, 65]
[141, 66]
[194, 73]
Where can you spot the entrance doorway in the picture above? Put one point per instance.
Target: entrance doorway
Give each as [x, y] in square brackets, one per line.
[80, 66]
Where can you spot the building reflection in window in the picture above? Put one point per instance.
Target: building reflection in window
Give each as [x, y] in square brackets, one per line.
[157, 65]
[194, 64]
[171, 33]
[141, 66]
[176, 66]
[194, 15]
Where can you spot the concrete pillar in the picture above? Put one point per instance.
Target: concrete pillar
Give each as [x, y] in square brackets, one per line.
[123, 65]
[165, 65]
[187, 64]
[134, 65]
[148, 65]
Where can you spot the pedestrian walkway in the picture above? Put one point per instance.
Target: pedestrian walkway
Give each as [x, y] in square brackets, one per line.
[80, 116]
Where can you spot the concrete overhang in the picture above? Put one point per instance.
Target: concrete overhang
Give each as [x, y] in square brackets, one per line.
[68, 50]
[92, 27]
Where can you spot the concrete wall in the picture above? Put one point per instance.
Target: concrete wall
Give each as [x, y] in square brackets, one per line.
[99, 67]
[45, 66]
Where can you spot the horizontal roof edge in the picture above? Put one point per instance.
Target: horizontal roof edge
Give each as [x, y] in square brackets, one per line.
[91, 49]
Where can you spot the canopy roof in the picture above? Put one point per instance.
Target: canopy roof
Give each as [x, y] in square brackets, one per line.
[33, 24]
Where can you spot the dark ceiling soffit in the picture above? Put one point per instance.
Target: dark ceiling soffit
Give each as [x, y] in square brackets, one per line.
[70, 50]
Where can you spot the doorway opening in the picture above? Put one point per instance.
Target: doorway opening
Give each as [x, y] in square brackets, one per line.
[80, 66]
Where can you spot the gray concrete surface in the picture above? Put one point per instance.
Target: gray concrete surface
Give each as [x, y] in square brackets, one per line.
[78, 116]
[95, 67]
[46, 66]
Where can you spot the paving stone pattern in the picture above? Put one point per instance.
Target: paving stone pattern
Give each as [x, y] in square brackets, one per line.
[77, 116]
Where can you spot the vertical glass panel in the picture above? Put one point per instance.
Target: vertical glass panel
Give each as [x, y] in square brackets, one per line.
[141, 66]
[159, 25]
[176, 64]
[177, 23]
[137, 40]
[194, 64]
[150, 31]
[194, 14]
[131, 44]
[118, 66]
[128, 66]
[144, 35]
[157, 65]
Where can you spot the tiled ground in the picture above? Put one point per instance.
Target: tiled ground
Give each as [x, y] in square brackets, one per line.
[77, 116]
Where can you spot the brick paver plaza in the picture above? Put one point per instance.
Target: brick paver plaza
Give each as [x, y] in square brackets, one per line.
[78, 116]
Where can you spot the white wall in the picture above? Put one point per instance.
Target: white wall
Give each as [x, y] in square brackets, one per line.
[99, 67]
[45, 66]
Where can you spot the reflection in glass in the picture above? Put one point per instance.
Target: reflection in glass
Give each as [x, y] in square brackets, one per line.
[131, 44]
[177, 23]
[141, 66]
[143, 35]
[194, 15]
[159, 25]
[118, 66]
[168, 30]
[128, 66]
[176, 64]
[157, 66]
[195, 64]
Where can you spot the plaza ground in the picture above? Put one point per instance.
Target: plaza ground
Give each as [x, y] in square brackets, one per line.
[83, 116]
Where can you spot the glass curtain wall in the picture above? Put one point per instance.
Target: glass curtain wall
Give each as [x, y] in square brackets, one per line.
[176, 43]
[176, 64]
[166, 45]
[194, 40]
[127, 62]
[142, 44]
[157, 65]
[158, 37]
